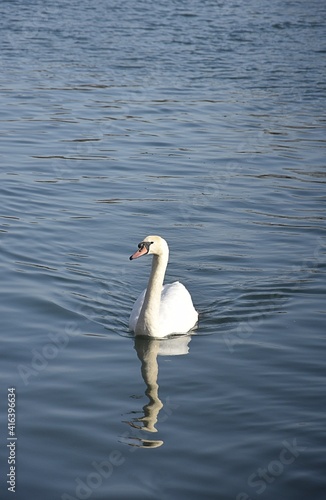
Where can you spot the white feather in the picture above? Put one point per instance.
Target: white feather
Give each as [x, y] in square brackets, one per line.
[161, 310]
[177, 313]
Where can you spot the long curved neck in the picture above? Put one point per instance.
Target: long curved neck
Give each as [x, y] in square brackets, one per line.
[148, 321]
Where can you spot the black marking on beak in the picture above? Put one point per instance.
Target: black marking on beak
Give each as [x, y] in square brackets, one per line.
[145, 244]
[141, 246]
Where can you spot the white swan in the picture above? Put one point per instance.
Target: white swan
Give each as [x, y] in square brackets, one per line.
[161, 310]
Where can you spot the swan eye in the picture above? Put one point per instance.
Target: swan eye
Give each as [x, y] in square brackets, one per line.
[145, 244]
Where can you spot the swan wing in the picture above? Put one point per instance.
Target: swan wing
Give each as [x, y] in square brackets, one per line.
[177, 312]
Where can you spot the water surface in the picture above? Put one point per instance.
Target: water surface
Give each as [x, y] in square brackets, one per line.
[203, 122]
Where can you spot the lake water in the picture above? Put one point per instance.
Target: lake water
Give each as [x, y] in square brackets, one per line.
[204, 122]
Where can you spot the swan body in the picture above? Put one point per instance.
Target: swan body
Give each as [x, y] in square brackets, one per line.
[161, 310]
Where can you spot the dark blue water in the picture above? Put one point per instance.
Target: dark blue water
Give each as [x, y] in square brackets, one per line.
[204, 122]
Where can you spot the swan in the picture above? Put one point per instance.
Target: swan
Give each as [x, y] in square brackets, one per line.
[161, 310]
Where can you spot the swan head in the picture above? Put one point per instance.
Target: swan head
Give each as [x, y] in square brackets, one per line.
[151, 245]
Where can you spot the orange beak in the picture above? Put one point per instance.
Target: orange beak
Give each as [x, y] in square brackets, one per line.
[139, 253]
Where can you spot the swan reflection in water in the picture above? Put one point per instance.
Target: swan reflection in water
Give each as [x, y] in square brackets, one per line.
[147, 350]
